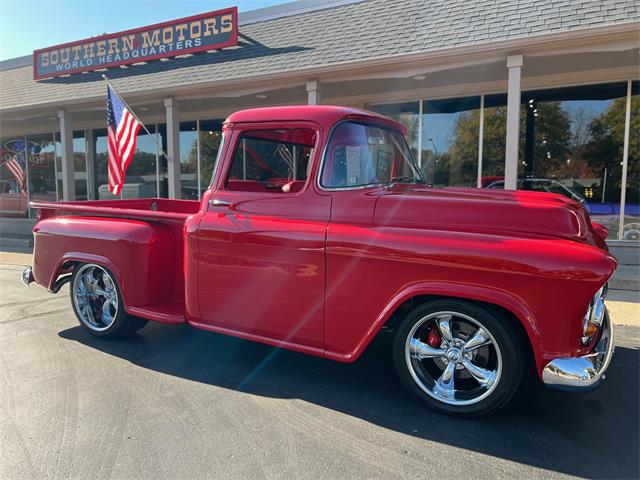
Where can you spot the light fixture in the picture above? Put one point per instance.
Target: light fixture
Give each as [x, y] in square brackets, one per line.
[419, 77]
[261, 95]
[143, 109]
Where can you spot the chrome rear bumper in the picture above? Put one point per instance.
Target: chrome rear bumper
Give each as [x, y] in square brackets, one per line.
[582, 373]
[27, 276]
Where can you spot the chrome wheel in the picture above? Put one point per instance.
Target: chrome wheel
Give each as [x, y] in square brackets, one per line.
[95, 297]
[453, 358]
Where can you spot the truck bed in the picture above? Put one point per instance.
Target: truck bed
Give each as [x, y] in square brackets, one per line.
[142, 208]
[165, 216]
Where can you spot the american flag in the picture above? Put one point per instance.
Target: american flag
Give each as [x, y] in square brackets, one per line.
[17, 172]
[122, 133]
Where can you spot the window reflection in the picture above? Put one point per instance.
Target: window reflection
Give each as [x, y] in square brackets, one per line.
[145, 177]
[210, 140]
[450, 133]
[13, 178]
[189, 160]
[41, 157]
[631, 230]
[80, 164]
[494, 139]
[408, 115]
[574, 137]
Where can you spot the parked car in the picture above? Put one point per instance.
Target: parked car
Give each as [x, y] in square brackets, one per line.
[543, 185]
[317, 230]
[13, 201]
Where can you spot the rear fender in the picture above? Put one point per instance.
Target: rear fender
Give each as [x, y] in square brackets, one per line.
[141, 255]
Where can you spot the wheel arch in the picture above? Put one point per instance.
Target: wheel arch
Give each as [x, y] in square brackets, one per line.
[497, 301]
[70, 260]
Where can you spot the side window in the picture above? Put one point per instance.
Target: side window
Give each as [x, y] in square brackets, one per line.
[271, 161]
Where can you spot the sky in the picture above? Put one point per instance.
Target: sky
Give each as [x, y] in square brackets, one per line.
[26, 25]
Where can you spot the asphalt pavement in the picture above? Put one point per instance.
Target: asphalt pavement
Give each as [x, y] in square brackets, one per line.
[178, 403]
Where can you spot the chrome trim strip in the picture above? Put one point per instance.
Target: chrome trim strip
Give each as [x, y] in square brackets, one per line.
[582, 373]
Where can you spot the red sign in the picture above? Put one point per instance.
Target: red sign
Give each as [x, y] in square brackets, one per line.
[208, 31]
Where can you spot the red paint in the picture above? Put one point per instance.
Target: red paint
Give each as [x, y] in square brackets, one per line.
[321, 271]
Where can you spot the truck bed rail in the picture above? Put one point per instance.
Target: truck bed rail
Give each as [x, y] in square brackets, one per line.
[147, 208]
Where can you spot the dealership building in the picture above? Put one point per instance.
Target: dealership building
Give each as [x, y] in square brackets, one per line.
[528, 94]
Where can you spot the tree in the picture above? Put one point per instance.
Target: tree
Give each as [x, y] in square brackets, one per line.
[209, 145]
[605, 148]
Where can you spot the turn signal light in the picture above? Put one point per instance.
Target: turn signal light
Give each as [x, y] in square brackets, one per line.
[591, 329]
[595, 315]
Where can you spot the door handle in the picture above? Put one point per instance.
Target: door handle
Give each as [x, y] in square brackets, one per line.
[216, 202]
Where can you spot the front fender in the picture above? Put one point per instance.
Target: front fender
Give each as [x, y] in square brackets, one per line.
[489, 295]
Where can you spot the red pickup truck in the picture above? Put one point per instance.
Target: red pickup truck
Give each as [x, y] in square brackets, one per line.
[317, 230]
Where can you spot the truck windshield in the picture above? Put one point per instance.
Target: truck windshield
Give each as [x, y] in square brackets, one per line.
[359, 155]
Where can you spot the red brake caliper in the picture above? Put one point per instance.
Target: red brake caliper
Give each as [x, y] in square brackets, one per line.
[433, 338]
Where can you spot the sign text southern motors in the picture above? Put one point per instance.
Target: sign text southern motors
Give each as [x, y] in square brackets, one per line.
[208, 31]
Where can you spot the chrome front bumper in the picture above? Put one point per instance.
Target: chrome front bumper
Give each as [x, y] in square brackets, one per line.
[582, 373]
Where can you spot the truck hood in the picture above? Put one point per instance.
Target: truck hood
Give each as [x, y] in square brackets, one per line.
[500, 212]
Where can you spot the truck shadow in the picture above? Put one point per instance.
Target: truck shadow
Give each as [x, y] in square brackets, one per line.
[590, 435]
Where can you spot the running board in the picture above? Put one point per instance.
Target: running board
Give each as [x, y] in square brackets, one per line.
[171, 312]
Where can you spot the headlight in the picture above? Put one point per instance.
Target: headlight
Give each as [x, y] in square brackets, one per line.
[594, 316]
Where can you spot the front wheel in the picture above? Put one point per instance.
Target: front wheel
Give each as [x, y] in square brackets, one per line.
[97, 302]
[459, 358]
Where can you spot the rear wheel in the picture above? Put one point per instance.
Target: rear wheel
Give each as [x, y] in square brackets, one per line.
[97, 302]
[458, 357]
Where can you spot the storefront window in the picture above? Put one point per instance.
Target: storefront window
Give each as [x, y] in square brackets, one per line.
[13, 178]
[146, 175]
[407, 114]
[58, 154]
[571, 143]
[210, 138]
[80, 164]
[494, 140]
[189, 160]
[450, 132]
[631, 230]
[42, 168]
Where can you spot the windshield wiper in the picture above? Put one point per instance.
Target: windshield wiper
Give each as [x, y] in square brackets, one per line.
[404, 179]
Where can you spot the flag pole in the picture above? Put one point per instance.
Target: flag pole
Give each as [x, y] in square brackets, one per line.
[134, 115]
[154, 137]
